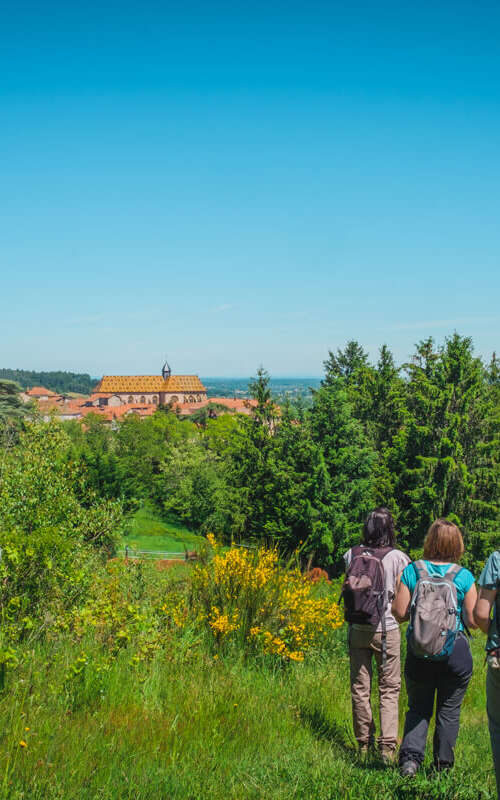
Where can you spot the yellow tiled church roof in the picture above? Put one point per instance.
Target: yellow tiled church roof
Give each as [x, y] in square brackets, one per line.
[184, 383]
[149, 383]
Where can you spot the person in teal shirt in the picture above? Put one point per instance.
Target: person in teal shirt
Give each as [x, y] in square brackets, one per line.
[444, 681]
[486, 602]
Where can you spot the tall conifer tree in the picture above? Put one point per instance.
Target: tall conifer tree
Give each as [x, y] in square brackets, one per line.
[350, 461]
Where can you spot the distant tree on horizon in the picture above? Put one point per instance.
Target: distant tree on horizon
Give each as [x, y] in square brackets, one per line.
[57, 381]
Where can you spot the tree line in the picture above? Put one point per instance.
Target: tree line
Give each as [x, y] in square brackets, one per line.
[59, 382]
[421, 438]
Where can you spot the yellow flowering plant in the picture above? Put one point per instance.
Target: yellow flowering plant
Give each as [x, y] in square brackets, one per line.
[247, 597]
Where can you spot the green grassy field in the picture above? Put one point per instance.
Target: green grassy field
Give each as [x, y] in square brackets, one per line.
[147, 531]
[187, 725]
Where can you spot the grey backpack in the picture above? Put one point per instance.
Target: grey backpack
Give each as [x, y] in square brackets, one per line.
[434, 613]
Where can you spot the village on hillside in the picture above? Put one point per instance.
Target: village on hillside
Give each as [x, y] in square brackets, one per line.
[117, 396]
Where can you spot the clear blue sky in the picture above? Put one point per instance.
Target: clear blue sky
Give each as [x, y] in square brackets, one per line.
[244, 183]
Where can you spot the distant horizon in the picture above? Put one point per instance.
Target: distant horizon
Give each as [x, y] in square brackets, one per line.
[485, 357]
[202, 377]
[271, 375]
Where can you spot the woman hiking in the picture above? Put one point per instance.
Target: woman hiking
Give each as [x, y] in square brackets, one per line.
[487, 601]
[438, 596]
[372, 570]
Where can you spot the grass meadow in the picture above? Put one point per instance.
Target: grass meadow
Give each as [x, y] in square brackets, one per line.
[189, 721]
[148, 531]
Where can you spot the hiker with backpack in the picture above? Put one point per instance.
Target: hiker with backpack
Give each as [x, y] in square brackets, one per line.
[372, 570]
[488, 599]
[438, 597]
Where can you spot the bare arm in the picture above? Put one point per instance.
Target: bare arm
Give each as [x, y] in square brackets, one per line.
[483, 608]
[401, 602]
[468, 607]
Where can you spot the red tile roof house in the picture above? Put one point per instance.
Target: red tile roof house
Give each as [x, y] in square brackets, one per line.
[111, 407]
[70, 412]
[79, 411]
[62, 408]
[103, 399]
[139, 409]
[213, 406]
[41, 393]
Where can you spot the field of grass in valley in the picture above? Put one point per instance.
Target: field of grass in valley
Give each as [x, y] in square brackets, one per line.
[147, 531]
[117, 712]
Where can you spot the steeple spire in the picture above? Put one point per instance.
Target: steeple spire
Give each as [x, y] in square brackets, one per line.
[166, 371]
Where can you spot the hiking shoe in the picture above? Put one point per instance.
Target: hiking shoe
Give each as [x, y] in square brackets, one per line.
[442, 766]
[387, 756]
[408, 769]
[365, 750]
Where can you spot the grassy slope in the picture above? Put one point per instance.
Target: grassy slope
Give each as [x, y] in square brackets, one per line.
[188, 726]
[148, 532]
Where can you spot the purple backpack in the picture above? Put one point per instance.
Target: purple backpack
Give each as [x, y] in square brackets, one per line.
[364, 591]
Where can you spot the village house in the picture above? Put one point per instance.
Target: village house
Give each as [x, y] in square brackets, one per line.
[219, 405]
[41, 393]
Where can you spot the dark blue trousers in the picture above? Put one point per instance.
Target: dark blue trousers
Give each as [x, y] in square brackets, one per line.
[443, 681]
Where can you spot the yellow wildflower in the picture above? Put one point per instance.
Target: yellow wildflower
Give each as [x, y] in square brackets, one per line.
[296, 655]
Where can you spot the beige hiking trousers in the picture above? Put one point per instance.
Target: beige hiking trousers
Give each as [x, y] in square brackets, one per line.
[363, 646]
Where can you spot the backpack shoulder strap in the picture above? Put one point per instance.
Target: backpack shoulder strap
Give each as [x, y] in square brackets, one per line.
[382, 552]
[453, 572]
[421, 570]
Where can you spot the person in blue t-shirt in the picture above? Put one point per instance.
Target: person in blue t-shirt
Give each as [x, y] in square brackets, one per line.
[488, 599]
[447, 678]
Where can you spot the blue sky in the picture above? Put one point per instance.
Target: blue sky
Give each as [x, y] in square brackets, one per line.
[237, 184]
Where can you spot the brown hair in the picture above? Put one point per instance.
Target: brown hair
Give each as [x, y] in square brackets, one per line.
[443, 542]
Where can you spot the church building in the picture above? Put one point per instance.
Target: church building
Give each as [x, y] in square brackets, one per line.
[153, 389]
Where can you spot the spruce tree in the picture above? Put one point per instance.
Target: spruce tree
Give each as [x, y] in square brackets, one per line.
[301, 491]
[276, 481]
[446, 454]
[350, 462]
[344, 363]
